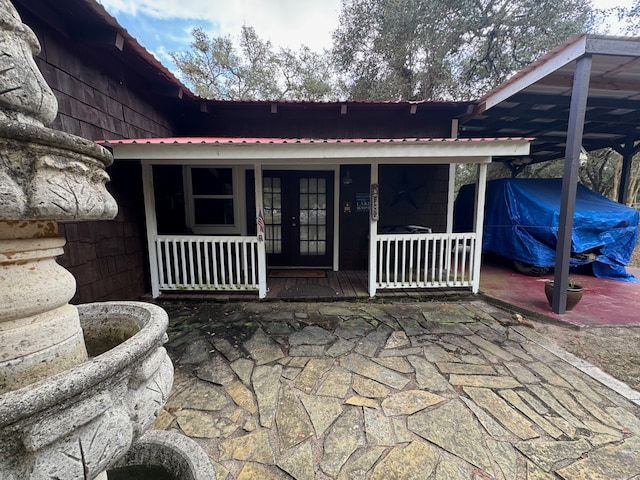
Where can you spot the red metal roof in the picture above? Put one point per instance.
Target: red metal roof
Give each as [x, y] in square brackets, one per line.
[261, 140]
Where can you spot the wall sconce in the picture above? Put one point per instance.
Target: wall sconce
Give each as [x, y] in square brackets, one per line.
[347, 180]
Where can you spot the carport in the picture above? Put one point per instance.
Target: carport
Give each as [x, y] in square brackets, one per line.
[584, 94]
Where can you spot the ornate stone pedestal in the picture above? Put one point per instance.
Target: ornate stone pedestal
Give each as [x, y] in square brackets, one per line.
[40, 331]
[78, 385]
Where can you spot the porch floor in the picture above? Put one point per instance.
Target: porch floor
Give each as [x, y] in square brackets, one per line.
[605, 303]
[343, 285]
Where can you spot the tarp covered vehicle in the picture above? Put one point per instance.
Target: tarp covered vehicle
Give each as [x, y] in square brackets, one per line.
[521, 223]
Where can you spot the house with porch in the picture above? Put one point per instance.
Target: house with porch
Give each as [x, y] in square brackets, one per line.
[361, 186]
[386, 165]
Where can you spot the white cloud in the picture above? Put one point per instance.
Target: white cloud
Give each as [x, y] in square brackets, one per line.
[286, 23]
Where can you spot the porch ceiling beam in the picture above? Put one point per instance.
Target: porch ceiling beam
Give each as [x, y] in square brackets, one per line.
[311, 162]
[475, 151]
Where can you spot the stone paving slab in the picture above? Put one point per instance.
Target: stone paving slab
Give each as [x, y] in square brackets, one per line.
[392, 391]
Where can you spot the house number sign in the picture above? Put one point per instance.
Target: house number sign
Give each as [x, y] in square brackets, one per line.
[375, 202]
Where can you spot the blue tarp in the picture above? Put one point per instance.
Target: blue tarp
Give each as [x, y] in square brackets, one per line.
[521, 223]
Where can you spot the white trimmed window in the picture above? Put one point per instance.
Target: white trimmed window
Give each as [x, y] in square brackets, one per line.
[215, 195]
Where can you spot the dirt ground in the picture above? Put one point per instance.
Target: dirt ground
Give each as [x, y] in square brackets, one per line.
[614, 350]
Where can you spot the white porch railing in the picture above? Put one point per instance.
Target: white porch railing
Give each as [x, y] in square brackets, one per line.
[207, 263]
[430, 260]
[187, 262]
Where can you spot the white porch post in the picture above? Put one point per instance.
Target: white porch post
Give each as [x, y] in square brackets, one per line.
[262, 251]
[373, 232]
[481, 188]
[152, 226]
[452, 181]
[451, 196]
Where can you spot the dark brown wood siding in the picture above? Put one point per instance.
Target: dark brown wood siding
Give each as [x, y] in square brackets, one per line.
[409, 195]
[304, 120]
[107, 258]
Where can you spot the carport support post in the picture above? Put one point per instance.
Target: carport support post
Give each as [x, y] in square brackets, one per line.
[579, 96]
[625, 174]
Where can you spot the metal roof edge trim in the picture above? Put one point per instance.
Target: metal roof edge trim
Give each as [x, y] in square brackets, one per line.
[298, 141]
[565, 53]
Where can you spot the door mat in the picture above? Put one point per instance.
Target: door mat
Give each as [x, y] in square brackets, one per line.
[307, 291]
[297, 273]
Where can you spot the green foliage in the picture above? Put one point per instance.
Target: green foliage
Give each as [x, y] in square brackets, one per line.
[600, 171]
[446, 49]
[572, 283]
[628, 17]
[396, 50]
[216, 68]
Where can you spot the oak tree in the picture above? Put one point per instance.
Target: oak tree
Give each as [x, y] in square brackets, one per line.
[253, 70]
[446, 49]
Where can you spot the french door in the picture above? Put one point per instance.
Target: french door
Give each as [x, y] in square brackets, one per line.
[298, 217]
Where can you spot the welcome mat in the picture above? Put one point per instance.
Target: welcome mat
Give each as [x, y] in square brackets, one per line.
[297, 273]
[307, 291]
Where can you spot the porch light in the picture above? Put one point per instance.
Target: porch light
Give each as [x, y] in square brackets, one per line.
[347, 180]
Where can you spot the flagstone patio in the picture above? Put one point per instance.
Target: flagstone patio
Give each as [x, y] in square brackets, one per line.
[372, 390]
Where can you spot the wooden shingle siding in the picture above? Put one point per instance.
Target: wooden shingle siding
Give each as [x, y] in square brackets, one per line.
[107, 258]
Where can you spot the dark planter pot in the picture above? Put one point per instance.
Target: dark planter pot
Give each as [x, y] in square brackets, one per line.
[573, 294]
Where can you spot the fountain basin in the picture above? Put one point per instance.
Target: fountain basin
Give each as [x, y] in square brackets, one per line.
[164, 455]
[77, 423]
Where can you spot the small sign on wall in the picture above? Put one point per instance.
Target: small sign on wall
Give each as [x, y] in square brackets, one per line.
[375, 202]
[362, 202]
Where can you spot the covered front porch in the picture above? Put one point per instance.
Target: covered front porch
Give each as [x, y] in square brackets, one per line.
[334, 222]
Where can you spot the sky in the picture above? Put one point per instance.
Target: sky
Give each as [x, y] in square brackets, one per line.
[163, 26]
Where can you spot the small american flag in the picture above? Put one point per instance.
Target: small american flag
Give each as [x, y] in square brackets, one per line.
[260, 222]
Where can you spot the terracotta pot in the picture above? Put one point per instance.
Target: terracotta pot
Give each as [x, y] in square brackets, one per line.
[573, 294]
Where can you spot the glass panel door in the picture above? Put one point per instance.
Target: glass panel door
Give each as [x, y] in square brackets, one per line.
[273, 214]
[298, 214]
[313, 216]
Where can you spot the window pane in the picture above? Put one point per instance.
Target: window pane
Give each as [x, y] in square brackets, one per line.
[271, 185]
[212, 181]
[213, 211]
[273, 239]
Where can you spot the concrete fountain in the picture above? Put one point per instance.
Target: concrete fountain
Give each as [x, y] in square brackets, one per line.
[79, 385]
